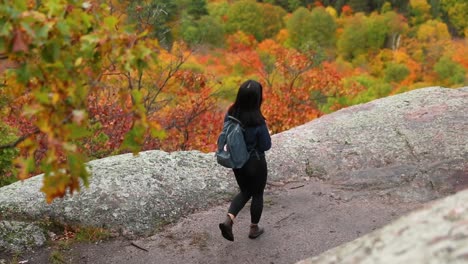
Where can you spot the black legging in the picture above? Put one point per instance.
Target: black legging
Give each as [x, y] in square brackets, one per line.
[251, 180]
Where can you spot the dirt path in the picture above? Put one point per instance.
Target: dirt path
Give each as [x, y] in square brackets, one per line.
[301, 219]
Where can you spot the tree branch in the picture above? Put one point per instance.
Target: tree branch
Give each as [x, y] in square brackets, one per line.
[19, 140]
[24, 137]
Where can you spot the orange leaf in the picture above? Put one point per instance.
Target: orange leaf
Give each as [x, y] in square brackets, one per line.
[19, 43]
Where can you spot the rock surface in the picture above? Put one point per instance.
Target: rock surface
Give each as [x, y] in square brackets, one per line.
[436, 234]
[132, 195]
[19, 236]
[412, 146]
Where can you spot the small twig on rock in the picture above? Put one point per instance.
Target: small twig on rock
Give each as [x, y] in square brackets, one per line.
[297, 187]
[276, 184]
[278, 223]
[139, 247]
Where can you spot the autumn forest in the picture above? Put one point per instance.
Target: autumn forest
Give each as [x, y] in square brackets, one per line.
[82, 80]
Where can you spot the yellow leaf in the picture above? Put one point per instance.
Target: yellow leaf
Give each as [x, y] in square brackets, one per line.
[55, 98]
[78, 61]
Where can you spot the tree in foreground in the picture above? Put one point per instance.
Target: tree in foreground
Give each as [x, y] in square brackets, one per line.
[60, 52]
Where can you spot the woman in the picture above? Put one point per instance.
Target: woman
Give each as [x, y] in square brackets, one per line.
[252, 177]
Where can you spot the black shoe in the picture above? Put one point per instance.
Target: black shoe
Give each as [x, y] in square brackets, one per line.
[255, 231]
[226, 229]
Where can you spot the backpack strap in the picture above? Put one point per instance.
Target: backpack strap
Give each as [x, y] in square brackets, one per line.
[235, 120]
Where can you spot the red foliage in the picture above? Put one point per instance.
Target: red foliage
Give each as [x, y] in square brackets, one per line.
[114, 123]
[346, 10]
[25, 126]
[240, 41]
[318, 4]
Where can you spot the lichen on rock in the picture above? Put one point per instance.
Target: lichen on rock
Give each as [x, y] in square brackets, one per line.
[20, 236]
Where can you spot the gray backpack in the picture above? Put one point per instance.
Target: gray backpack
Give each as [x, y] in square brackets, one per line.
[232, 150]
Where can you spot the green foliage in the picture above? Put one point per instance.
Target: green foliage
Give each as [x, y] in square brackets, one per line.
[155, 16]
[352, 41]
[436, 9]
[309, 30]
[298, 25]
[360, 5]
[218, 10]
[228, 89]
[322, 28]
[190, 33]
[395, 72]
[272, 19]
[450, 72]
[386, 8]
[396, 26]
[457, 13]
[246, 16]
[376, 32]
[294, 4]
[338, 5]
[363, 35]
[91, 234]
[190, 30]
[374, 88]
[7, 135]
[420, 11]
[402, 6]
[206, 30]
[197, 8]
[7, 180]
[432, 31]
[56, 257]
[4, 99]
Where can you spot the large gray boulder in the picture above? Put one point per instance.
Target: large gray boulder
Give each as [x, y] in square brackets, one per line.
[411, 146]
[436, 234]
[129, 194]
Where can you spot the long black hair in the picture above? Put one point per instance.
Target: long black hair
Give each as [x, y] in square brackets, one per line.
[248, 102]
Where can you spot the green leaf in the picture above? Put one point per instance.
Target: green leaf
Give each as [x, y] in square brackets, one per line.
[137, 96]
[81, 93]
[63, 28]
[43, 32]
[88, 43]
[31, 110]
[76, 163]
[20, 4]
[86, 19]
[46, 167]
[5, 28]
[100, 139]
[134, 139]
[77, 132]
[23, 73]
[3, 46]
[111, 22]
[51, 52]
[27, 27]
[55, 7]
[42, 97]
[30, 164]
[157, 133]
